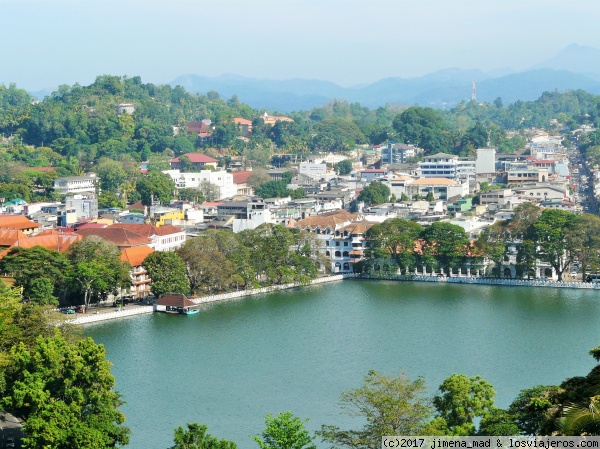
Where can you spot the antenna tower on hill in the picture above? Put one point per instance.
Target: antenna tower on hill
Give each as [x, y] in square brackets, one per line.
[474, 92]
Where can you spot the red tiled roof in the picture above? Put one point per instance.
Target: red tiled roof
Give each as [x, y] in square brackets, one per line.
[92, 226]
[57, 242]
[147, 230]
[241, 177]
[136, 255]
[17, 222]
[137, 206]
[242, 121]
[197, 158]
[8, 237]
[331, 220]
[120, 237]
[174, 300]
[197, 127]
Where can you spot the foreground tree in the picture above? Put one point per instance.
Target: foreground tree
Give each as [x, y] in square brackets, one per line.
[39, 271]
[168, 273]
[460, 400]
[390, 406]
[196, 437]
[534, 409]
[64, 393]
[284, 431]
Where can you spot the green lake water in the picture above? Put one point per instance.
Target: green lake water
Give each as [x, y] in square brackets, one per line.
[297, 350]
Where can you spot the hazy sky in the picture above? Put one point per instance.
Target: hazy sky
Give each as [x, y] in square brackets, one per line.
[44, 43]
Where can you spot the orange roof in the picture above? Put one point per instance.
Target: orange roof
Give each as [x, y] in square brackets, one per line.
[358, 227]
[17, 222]
[242, 121]
[136, 255]
[241, 177]
[331, 220]
[174, 300]
[8, 237]
[147, 230]
[120, 237]
[197, 158]
[57, 242]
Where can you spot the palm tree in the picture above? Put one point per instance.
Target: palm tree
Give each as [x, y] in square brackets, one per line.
[577, 420]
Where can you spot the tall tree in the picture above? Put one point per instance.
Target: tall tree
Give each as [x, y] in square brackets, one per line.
[390, 406]
[397, 239]
[556, 245]
[155, 186]
[97, 269]
[423, 127]
[168, 273]
[64, 394]
[208, 269]
[445, 243]
[375, 193]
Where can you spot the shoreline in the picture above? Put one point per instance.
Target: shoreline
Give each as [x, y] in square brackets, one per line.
[141, 309]
[481, 281]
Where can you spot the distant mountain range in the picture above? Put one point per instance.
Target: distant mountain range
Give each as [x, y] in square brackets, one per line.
[576, 67]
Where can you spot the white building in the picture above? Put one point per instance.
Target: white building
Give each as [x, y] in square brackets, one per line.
[398, 153]
[440, 165]
[76, 184]
[221, 179]
[309, 169]
[442, 188]
[486, 160]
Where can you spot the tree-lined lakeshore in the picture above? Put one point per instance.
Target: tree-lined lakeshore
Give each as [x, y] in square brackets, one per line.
[59, 383]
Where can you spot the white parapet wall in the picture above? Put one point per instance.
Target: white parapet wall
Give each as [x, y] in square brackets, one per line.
[140, 310]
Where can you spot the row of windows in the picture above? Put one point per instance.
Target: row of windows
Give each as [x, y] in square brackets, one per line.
[337, 243]
[175, 239]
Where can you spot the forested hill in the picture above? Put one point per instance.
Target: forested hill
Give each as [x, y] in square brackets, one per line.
[80, 124]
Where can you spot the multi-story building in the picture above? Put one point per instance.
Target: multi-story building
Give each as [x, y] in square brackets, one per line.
[441, 188]
[343, 237]
[85, 205]
[140, 281]
[77, 184]
[398, 153]
[221, 180]
[162, 238]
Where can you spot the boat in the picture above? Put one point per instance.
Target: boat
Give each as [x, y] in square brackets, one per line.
[191, 312]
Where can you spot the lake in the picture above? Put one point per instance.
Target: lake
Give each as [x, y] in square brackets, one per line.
[298, 349]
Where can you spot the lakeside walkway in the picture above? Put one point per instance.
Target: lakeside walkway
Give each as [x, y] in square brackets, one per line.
[135, 309]
[481, 280]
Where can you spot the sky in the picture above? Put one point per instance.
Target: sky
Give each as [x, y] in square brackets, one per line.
[45, 43]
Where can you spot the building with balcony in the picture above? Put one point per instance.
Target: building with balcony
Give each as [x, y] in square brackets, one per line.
[77, 184]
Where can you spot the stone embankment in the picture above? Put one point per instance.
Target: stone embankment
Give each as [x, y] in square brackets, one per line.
[139, 310]
[484, 281]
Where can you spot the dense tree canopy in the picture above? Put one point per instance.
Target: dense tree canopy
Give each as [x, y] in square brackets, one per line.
[64, 393]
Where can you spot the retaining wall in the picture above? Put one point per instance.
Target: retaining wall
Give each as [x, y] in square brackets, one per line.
[485, 281]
